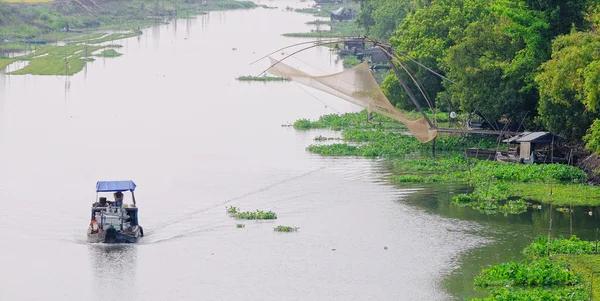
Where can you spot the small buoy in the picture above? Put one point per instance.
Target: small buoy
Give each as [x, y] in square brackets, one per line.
[385, 247]
[590, 213]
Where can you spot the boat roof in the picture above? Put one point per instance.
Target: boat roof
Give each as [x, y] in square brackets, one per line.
[114, 186]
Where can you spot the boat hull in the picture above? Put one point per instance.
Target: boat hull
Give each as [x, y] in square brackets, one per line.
[112, 236]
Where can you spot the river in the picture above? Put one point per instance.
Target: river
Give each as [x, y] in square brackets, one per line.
[169, 115]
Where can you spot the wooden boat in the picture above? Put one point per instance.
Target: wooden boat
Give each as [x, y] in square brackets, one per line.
[481, 154]
[114, 222]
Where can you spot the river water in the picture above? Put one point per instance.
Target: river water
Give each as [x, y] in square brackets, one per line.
[170, 116]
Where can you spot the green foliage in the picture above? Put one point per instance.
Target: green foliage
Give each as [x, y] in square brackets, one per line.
[233, 210]
[109, 53]
[501, 187]
[542, 272]
[240, 226]
[338, 122]
[258, 214]
[380, 18]
[562, 15]
[495, 57]
[568, 85]
[285, 229]
[351, 61]
[574, 293]
[570, 246]
[426, 36]
[592, 138]
[559, 277]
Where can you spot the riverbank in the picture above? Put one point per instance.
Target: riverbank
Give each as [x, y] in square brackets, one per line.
[495, 187]
[59, 38]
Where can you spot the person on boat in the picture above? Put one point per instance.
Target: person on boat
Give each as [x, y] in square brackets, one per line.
[100, 203]
[118, 199]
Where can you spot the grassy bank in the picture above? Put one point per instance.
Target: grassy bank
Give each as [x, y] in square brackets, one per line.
[495, 187]
[5, 62]
[501, 187]
[559, 269]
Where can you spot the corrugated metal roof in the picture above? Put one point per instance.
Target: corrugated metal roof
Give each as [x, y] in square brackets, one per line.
[513, 138]
[338, 11]
[537, 137]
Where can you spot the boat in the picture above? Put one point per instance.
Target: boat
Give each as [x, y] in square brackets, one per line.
[114, 221]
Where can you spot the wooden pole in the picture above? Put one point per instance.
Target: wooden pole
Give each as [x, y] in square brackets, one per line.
[133, 198]
[549, 231]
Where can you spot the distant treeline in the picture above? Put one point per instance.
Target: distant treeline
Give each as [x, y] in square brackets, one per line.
[529, 62]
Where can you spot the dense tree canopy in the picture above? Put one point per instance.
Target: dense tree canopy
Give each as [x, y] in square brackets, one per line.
[513, 59]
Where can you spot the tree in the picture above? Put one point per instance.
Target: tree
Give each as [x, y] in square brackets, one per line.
[569, 85]
[562, 15]
[495, 60]
[426, 35]
[380, 18]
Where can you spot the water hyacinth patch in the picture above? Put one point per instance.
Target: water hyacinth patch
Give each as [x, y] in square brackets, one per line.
[232, 210]
[285, 229]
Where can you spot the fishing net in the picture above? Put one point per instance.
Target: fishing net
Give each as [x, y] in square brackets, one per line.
[358, 86]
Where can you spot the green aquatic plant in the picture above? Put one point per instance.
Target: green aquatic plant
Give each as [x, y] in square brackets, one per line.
[565, 246]
[351, 61]
[258, 214]
[109, 53]
[541, 272]
[285, 229]
[232, 210]
[240, 225]
[542, 277]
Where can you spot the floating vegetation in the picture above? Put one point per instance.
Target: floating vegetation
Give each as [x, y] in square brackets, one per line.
[258, 214]
[109, 53]
[232, 210]
[318, 22]
[285, 229]
[240, 225]
[322, 138]
[542, 277]
[565, 246]
[351, 61]
[262, 78]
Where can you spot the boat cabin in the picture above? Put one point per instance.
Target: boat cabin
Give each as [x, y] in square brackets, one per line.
[112, 208]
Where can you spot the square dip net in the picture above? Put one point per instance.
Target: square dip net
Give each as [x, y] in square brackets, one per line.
[358, 86]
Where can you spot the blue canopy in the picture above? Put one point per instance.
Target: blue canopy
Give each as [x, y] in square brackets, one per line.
[113, 186]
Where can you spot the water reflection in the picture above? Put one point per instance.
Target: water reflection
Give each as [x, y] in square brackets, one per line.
[113, 271]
